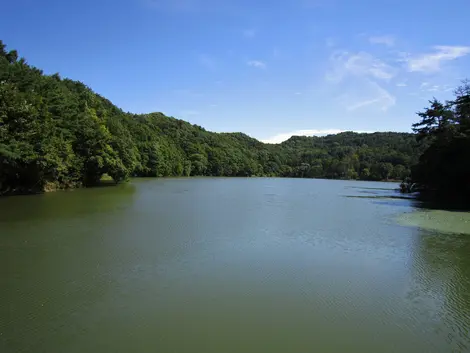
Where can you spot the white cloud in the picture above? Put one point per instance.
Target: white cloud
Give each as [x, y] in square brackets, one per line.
[385, 40]
[360, 64]
[249, 33]
[256, 63]
[431, 62]
[312, 132]
[401, 84]
[298, 93]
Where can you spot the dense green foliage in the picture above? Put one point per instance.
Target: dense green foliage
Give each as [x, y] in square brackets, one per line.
[443, 171]
[58, 133]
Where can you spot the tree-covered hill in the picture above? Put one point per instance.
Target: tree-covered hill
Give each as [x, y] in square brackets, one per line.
[58, 133]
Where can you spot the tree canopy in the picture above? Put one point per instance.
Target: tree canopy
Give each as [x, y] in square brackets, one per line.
[58, 133]
[443, 170]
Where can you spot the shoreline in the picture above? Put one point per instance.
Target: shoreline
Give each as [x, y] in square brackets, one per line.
[106, 182]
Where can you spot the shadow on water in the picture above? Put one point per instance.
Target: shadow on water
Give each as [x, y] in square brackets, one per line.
[395, 201]
[384, 196]
[368, 191]
[367, 188]
[440, 205]
[380, 195]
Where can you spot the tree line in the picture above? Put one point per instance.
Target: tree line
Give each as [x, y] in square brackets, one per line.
[443, 169]
[58, 133]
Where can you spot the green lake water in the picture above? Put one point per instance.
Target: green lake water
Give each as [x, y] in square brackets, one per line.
[232, 265]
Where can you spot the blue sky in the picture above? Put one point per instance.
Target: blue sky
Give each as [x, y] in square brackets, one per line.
[267, 68]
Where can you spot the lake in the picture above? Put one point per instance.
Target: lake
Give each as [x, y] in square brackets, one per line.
[232, 265]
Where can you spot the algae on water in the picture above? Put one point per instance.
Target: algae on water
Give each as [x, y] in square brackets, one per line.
[438, 220]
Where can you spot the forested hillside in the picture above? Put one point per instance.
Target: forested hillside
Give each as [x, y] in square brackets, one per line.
[58, 133]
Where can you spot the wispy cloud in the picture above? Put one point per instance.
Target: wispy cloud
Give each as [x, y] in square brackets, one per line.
[370, 94]
[364, 103]
[359, 64]
[432, 62]
[434, 88]
[424, 85]
[249, 33]
[310, 132]
[401, 84]
[256, 63]
[384, 40]
[356, 76]
[428, 87]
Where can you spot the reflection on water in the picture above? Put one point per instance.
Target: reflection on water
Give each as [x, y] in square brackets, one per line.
[73, 203]
[231, 265]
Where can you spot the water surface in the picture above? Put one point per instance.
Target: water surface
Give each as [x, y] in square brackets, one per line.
[230, 265]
